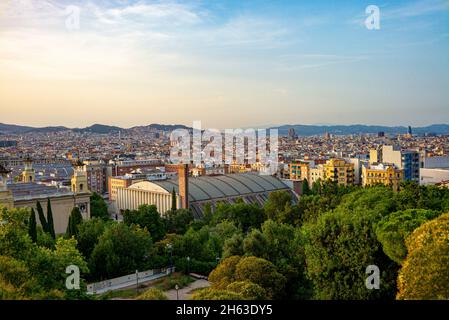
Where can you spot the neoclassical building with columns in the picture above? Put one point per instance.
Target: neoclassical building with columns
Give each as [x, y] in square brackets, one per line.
[27, 192]
[197, 192]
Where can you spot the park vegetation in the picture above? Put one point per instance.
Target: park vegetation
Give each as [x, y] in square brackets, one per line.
[317, 248]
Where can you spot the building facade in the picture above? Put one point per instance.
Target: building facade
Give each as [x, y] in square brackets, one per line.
[198, 192]
[387, 175]
[63, 200]
[339, 171]
[408, 160]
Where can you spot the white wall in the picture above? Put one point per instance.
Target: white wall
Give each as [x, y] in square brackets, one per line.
[433, 176]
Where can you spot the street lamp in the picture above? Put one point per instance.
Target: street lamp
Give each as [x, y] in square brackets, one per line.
[177, 292]
[188, 265]
[218, 260]
[137, 282]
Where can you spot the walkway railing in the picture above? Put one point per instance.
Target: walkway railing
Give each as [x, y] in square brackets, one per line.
[128, 281]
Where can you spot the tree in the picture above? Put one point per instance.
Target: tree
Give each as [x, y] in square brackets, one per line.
[200, 245]
[152, 294]
[224, 230]
[42, 219]
[146, 217]
[32, 231]
[316, 187]
[284, 249]
[248, 290]
[305, 187]
[98, 207]
[50, 223]
[262, 273]
[342, 243]
[243, 215]
[178, 221]
[173, 200]
[89, 231]
[255, 244]
[425, 271]
[75, 220]
[121, 250]
[276, 203]
[48, 266]
[249, 269]
[233, 246]
[224, 274]
[394, 228]
[216, 294]
[33, 271]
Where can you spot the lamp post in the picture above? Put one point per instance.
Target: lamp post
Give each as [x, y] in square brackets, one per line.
[137, 282]
[177, 292]
[188, 265]
[218, 260]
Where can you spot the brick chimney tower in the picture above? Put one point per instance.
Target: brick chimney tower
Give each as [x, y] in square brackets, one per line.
[183, 183]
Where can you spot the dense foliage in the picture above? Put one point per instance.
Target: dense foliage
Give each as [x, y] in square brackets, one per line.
[317, 248]
[425, 271]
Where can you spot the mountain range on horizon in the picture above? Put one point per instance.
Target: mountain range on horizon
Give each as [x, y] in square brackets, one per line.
[300, 130]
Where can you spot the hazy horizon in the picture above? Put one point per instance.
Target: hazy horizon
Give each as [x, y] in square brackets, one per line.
[244, 127]
[227, 63]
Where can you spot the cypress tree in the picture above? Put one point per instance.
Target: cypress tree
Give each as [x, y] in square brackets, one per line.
[68, 231]
[32, 226]
[42, 219]
[305, 187]
[51, 226]
[74, 220]
[173, 200]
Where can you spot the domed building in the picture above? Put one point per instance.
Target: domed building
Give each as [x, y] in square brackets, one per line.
[197, 192]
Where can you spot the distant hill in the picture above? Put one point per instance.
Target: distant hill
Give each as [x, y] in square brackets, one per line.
[310, 130]
[12, 128]
[96, 128]
[301, 130]
[159, 127]
[99, 128]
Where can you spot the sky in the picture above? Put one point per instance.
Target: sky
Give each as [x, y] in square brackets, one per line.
[228, 64]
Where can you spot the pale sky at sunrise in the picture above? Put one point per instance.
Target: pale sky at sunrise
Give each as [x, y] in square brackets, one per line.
[226, 63]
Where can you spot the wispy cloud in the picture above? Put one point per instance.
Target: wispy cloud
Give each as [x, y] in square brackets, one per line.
[418, 8]
[413, 9]
[316, 61]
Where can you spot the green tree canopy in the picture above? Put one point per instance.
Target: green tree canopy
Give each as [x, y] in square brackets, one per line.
[89, 232]
[146, 217]
[248, 290]
[262, 273]
[216, 294]
[178, 221]
[425, 271]
[121, 250]
[98, 207]
[394, 228]
[243, 215]
[342, 244]
[152, 294]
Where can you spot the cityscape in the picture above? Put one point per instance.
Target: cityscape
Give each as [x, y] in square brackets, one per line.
[302, 190]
